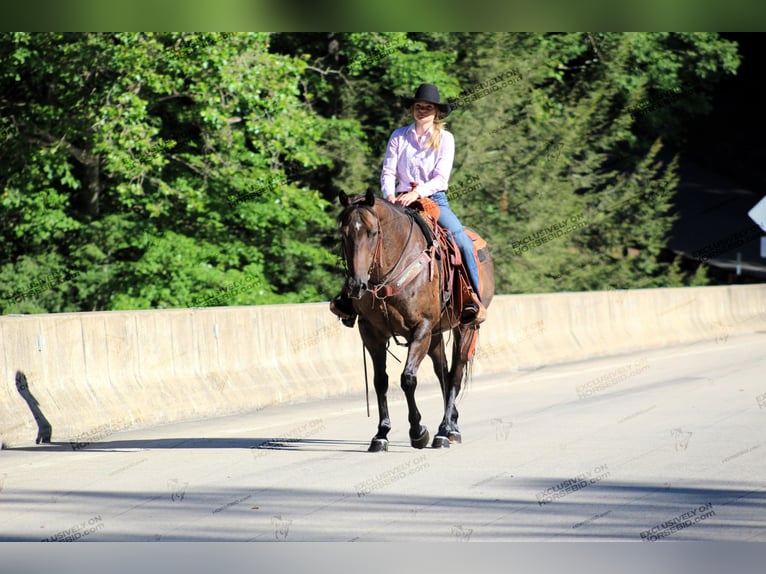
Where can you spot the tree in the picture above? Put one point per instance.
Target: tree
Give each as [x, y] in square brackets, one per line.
[360, 77]
[155, 169]
[168, 170]
[573, 194]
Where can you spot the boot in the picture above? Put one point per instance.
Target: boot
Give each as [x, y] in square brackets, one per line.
[473, 312]
[342, 307]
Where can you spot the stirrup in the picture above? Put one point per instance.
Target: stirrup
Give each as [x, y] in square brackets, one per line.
[473, 312]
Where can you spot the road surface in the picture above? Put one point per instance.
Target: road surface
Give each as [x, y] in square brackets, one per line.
[655, 446]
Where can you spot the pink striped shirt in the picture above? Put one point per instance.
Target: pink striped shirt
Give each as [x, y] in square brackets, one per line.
[408, 161]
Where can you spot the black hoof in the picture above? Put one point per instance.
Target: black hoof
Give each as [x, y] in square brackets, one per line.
[378, 445]
[440, 442]
[44, 438]
[422, 440]
[455, 436]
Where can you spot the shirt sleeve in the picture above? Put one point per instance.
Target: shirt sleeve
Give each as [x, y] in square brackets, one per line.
[388, 173]
[441, 172]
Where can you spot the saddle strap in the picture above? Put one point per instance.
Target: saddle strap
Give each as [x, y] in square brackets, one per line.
[426, 221]
[395, 284]
[445, 257]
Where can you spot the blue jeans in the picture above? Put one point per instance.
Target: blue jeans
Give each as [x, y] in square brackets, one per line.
[448, 219]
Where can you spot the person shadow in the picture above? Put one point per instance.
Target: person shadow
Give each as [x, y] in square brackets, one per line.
[44, 428]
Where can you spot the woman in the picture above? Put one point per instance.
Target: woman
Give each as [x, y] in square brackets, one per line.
[417, 164]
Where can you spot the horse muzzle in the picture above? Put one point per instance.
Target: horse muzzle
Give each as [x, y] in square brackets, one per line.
[357, 287]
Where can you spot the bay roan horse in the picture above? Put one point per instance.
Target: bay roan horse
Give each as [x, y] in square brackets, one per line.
[380, 241]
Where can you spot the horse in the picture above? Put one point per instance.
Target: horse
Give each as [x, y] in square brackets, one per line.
[394, 286]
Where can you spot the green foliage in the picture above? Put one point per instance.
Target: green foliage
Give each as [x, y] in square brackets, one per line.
[142, 163]
[560, 142]
[146, 170]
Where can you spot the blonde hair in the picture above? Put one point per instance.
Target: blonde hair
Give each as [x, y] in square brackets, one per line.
[436, 131]
[436, 134]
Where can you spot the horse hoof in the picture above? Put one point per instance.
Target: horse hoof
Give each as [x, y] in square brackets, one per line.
[440, 442]
[422, 440]
[455, 436]
[378, 445]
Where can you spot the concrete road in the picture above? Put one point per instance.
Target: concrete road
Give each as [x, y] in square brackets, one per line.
[661, 445]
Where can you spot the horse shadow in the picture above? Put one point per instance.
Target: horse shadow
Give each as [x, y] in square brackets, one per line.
[44, 427]
[258, 446]
[103, 443]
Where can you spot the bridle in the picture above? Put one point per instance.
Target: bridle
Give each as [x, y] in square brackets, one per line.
[381, 288]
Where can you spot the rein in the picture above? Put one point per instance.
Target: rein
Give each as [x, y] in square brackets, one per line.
[391, 283]
[383, 285]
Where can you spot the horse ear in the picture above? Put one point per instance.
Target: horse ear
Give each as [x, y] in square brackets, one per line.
[343, 198]
[369, 199]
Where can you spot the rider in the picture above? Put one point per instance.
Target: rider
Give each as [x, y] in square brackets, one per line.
[420, 157]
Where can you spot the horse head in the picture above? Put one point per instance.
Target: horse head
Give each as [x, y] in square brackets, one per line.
[360, 232]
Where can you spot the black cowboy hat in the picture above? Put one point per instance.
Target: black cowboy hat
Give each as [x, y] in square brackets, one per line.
[429, 93]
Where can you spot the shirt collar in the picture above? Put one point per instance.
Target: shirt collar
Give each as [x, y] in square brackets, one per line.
[411, 129]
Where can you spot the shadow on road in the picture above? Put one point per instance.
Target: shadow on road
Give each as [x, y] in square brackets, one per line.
[257, 444]
[623, 511]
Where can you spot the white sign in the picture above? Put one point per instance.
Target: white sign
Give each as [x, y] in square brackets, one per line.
[758, 214]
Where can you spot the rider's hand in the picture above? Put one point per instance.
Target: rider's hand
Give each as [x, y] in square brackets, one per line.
[406, 198]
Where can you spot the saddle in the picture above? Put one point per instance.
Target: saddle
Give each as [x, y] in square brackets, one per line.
[455, 287]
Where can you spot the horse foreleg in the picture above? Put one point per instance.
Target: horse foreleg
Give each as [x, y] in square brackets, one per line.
[377, 352]
[380, 440]
[417, 351]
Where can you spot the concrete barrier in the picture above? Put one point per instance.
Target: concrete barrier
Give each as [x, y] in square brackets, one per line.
[92, 374]
[525, 331]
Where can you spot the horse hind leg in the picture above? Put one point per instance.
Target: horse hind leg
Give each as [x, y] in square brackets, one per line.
[465, 337]
[439, 358]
